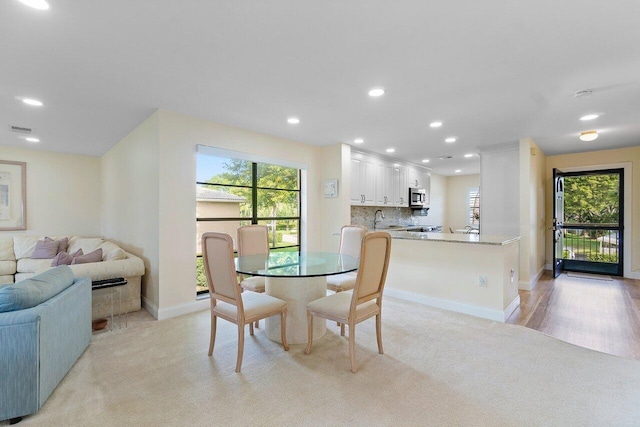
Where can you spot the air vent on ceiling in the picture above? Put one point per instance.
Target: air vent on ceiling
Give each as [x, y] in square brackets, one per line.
[20, 129]
[445, 157]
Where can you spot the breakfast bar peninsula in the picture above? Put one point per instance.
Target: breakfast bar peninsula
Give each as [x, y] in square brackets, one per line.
[469, 273]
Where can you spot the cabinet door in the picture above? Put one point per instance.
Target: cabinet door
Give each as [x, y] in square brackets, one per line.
[414, 177]
[356, 193]
[368, 181]
[403, 188]
[427, 185]
[388, 185]
[380, 171]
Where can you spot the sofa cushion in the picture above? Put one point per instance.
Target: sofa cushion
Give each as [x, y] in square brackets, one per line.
[112, 252]
[95, 256]
[45, 249]
[23, 246]
[36, 290]
[6, 279]
[65, 258]
[87, 244]
[6, 249]
[7, 267]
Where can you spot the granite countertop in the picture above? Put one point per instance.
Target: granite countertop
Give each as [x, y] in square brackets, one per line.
[482, 239]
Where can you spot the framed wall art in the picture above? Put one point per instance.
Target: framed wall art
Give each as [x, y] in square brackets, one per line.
[13, 195]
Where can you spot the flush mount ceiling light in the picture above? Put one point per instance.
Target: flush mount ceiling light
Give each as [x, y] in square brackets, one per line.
[435, 124]
[358, 141]
[425, 160]
[32, 102]
[391, 150]
[293, 120]
[376, 91]
[458, 170]
[32, 139]
[36, 4]
[450, 140]
[589, 117]
[588, 135]
[468, 155]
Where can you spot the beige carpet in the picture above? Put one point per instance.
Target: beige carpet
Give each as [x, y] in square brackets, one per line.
[440, 368]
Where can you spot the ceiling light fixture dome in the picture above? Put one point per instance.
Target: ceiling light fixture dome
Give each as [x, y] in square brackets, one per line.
[468, 155]
[32, 139]
[425, 161]
[32, 102]
[450, 140]
[458, 170]
[293, 120]
[589, 117]
[588, 135]
[376, 91]
[36, 4]
[358, 141]
[391, 150]
[436, 124]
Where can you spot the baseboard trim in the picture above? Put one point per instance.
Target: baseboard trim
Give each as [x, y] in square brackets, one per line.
[548, 267]
[527, 286]
[179, 310]
[485, 313]
[150, 307]
[634, 275]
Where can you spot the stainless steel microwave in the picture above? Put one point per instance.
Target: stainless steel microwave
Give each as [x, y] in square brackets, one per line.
[418, 198]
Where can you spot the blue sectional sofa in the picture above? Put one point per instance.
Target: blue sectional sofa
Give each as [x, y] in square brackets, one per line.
[45, 326]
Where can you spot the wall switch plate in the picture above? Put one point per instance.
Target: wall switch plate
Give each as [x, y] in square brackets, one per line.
[482, 281]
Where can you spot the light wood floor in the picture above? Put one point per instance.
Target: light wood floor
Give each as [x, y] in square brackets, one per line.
[602, 315]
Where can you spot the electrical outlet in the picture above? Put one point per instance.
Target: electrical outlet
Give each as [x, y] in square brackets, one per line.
[482, 281]
[513, 274]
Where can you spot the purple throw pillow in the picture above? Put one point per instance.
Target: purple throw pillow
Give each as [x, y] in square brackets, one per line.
[63, 258]
[95, 256]
[63, 244]
[45, 249]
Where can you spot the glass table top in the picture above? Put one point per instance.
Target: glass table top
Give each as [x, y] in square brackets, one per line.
[296, 264]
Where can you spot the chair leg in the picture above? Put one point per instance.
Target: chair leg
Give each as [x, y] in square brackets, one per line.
[352, 347]
[310, 334]
[379, 332]
[283, 329]
[212, 339]
[258, 324]
[341, 329]
[251, 328]
[240, 347]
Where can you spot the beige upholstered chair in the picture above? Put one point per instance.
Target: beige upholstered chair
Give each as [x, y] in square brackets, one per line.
[350, 242]
[227, 301]
[252, 240]
[364, 301]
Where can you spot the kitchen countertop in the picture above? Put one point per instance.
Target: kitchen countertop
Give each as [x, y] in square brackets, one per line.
[482, 239]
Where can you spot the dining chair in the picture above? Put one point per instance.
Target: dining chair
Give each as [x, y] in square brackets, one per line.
[253, 240]
[227, 301]
[365, 301]
[350, 242]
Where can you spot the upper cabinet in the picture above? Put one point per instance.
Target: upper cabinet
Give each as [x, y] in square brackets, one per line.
[376, 181]
[363, 182]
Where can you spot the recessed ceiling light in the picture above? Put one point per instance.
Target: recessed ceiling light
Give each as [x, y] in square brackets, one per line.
[36, 4]
[293, 120]
[32, 139]
[589, 117]
[391, 150]
[458, 170]
[32, 102]
[425, 160]
[435, 124]
[376, 91]
[358, 140]
[468, 155]
[450, 140]
[589, 135]
[396, 165]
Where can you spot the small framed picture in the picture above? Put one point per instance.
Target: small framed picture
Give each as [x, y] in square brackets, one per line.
[330, 188]
[13, 195]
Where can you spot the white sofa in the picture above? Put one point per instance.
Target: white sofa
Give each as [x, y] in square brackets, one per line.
[16, 265]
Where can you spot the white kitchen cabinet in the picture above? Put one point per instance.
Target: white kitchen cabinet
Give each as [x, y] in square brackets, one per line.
[363, 181]
[401, 186]
[384, 184]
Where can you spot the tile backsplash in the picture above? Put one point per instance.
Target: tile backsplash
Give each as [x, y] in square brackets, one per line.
[363, 215]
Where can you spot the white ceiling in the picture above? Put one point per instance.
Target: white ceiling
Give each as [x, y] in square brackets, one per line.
[493, 71]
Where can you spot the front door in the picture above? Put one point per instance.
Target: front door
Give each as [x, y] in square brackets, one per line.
[558, 222]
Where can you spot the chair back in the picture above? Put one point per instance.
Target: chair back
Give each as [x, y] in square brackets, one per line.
[351, 239]
[253, 240]
[372, 272]
[217, 257]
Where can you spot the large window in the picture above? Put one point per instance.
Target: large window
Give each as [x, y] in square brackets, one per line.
[234, 192]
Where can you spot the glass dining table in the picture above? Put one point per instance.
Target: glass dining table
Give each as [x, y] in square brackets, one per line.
[297, 278]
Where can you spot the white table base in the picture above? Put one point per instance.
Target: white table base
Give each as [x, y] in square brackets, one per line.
[297, 292]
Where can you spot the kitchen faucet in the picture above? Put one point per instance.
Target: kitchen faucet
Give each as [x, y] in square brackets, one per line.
[375, 218]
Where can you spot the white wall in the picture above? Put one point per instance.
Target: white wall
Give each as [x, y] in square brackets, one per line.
[458, 200]
[336, 212]
[63, 192]
[130, 200]
[438, 201]
[499, 190]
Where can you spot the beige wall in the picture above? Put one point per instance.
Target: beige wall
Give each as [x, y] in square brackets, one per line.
[130, 199]
[532, 215]
[63, 192]
[457, 200]
[336, 212]
[437, 200]
[606, 158]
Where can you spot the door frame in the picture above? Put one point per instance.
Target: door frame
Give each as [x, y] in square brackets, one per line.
[628, 202]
